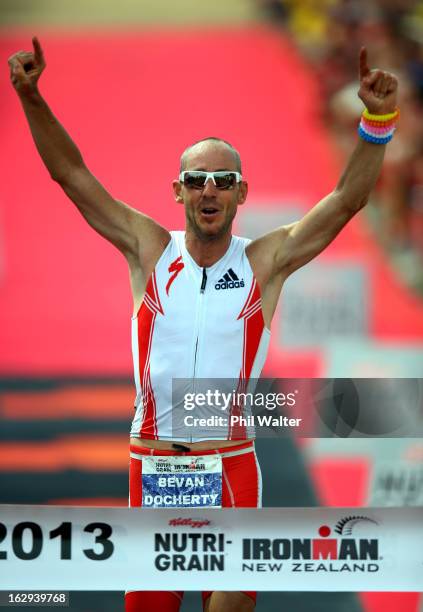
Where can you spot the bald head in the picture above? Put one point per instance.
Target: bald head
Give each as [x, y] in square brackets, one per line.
[209, 143]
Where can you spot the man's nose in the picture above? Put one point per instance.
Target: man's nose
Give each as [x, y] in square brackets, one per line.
[209, 188]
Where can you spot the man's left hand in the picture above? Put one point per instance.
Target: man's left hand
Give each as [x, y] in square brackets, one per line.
[378, 88]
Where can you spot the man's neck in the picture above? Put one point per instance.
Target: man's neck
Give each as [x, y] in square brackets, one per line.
[205, 252]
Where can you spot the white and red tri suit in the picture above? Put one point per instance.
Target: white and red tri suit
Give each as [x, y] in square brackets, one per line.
[194, 323]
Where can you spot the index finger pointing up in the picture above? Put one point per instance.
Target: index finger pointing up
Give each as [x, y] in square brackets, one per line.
[363, 67]
[38, 52]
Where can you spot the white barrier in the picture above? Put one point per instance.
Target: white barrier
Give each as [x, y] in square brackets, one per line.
[271, 549]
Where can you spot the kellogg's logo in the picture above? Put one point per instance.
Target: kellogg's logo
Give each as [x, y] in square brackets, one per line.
[189, 522]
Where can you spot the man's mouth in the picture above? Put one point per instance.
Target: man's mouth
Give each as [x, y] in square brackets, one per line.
[209, 210]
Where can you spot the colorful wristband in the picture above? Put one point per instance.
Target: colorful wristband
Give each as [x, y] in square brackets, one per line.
[374, 139]
[378, 118]
[378, 129]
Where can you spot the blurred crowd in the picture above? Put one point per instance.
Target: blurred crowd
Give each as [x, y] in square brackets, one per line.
[330, 34]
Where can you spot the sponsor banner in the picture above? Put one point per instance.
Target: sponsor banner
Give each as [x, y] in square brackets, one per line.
[275, 549]
[396, 483]
[367, 358]
[318, 407]
[324, 301]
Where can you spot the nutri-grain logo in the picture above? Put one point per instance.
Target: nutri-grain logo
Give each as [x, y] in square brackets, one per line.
[185, 551]
[343, 548]
[189, 522]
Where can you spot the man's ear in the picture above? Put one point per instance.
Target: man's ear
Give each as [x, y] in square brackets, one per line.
[177, 189]
[243, 192]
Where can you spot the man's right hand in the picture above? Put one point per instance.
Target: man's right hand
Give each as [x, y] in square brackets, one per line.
[26, 68]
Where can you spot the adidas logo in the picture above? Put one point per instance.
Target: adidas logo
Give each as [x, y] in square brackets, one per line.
[229, 281]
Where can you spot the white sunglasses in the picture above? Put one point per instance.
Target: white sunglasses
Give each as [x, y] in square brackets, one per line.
[197, 179]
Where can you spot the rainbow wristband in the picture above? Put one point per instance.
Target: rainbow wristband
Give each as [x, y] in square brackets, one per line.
[381, 118]
[378, 129]
[375, 139]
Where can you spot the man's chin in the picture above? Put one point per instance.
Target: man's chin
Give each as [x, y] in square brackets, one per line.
[210, 231]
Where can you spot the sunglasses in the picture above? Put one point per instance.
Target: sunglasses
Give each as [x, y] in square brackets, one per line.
[197, 179]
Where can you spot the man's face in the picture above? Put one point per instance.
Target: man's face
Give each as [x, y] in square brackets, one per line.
[209, 211]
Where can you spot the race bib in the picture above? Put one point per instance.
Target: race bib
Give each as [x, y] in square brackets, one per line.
[182, 482]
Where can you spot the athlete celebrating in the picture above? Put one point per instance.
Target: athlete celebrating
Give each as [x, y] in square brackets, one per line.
[185, 325]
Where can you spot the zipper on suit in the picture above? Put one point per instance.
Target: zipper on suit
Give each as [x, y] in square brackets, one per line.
[199, 319]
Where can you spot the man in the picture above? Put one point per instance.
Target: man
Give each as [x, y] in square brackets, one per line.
[184, 325]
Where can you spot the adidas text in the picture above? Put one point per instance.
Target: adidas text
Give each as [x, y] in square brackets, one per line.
[229, 284]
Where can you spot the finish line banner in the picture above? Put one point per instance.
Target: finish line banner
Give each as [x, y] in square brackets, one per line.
[271, 549]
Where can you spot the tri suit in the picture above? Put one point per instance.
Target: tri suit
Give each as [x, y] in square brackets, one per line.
[195, 323]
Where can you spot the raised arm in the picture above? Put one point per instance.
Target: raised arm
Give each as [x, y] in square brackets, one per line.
[139, 237]
[290, 247]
